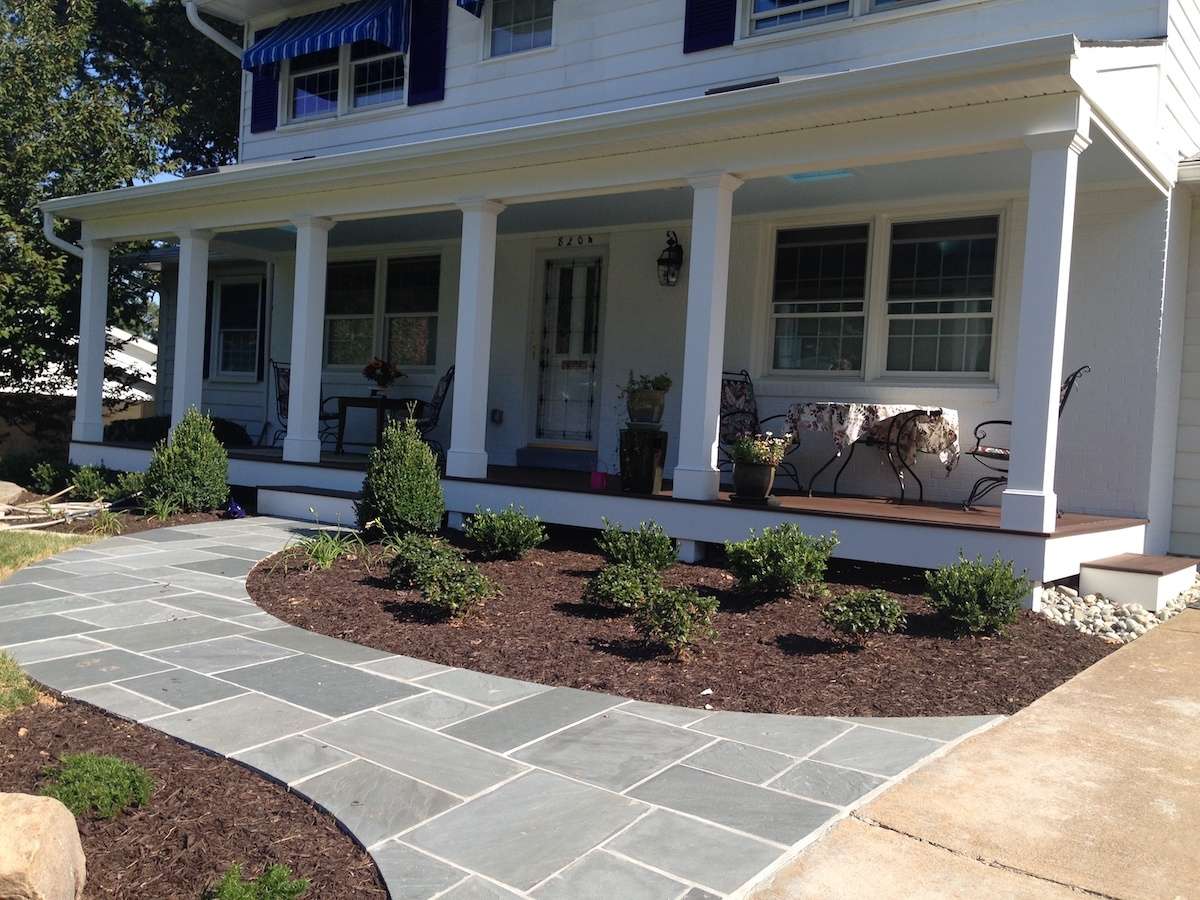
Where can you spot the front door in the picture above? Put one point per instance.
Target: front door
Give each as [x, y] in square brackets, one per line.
[568, 366]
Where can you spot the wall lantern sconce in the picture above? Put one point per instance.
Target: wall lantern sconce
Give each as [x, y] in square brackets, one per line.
[670, 261]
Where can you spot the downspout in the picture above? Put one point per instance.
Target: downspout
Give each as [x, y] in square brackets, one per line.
[54, 239]
[193, 15]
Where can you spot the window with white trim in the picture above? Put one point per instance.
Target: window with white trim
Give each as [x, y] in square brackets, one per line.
[373, 72]
[236, 327]
[771, 15]
[818, 309]
[377, 74]
[411, 310]
[313, 85]
[941, 295]
[515, 26]
[350, 313]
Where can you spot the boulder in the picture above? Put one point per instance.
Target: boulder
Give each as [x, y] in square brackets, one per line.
[41, 857]
[9, 491]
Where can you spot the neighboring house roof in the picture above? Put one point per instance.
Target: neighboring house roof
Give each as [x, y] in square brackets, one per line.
[133, 355]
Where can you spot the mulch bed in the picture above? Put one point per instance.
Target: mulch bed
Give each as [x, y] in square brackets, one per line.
[205, 814]
[769, 657]
[133, 522]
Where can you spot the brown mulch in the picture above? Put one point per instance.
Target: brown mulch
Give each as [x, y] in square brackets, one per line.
[132, 522]
[205, 813]
[769, 657]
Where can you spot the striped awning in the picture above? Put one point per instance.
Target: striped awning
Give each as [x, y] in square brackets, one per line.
[474, 7]
[383, 21]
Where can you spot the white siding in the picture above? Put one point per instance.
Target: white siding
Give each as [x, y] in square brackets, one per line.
[1182, 77]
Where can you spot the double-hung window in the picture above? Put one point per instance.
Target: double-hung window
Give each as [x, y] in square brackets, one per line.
[377, 73]
[519, 25]
[313, 85]
[373, 72]
[769, 15]
[411, 310]
[819, 298]
[236, 327]
[349, 313]
[941, 295]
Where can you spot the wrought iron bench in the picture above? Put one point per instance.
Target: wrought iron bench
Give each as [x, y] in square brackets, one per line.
[739, 415]
[998, 458]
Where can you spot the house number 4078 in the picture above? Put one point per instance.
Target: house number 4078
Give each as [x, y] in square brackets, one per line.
[574, 240]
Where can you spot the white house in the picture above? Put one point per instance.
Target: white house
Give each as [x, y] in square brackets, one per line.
[939, 203]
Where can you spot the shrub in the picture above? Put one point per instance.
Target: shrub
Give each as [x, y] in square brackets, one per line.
[647, 548]
[507, 534]
[779, 560]
[446, 581]
[675, 617]
[48, 478]
[15, 689]
[192, 468]
[104, 786]
[89, 483]
[276, 883]
[161, 508]
[126, 486]
[402, 491]
[621, 586]
[106, 523]
[325, 548]
[977, 597]
[861, 613]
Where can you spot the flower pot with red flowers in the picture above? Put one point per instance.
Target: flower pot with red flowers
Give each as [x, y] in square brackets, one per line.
[383, 374]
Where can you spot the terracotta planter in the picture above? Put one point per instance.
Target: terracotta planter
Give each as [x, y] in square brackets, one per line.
[753, 481]
[646, 409]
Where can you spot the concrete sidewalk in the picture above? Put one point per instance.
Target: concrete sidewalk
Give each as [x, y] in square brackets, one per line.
[1094, 789]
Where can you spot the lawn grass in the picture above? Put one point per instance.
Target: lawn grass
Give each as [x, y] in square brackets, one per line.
[23, 548]
[15, 689]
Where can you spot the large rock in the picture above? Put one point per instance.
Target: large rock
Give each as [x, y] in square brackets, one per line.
[9, 492]
[41, 857]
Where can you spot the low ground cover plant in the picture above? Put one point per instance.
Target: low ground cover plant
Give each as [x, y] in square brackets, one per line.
[160, 508]
[978, 597]
[191, 468]
[276, 883]
[647, 548]
[106, 523]
[323, 549]
[859, 614]
[101, 786]
[446, 581]
[780, 560]
[507, 534]
[621, 586]
[15, 690]
[677, 618]
[402, 491]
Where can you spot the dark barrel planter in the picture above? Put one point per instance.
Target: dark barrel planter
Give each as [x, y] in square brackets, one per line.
[646, 409]
[753, 481]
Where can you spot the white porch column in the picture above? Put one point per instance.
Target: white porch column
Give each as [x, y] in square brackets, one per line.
[93, 321]
[190, 302]
[696, 476]
[467, 457]
[1030, 503]
[303, 440]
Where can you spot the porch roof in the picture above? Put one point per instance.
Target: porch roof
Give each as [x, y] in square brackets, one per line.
[1045, 72]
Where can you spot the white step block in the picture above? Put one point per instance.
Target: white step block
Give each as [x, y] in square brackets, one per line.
[1149, 581]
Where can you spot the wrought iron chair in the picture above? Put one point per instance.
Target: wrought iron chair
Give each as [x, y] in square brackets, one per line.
[998, 458]
[739, 415]
[429, 412]
[326, 420]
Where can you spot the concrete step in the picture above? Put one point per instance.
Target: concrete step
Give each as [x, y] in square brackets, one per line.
[1149, 581]
[328, 506]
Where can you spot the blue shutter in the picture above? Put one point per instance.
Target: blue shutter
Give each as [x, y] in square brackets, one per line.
[708, 24]
[208, 326]
[427, 52]
[264, 94]
[263, 311]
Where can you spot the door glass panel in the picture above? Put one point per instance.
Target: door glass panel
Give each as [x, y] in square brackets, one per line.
[567, 383]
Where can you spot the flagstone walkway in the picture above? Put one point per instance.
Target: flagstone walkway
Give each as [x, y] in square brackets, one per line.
[461, 785]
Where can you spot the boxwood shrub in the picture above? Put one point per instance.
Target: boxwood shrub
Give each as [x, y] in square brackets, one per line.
[677, 618]
[978, 597]
[402, 491]
[647, 548]
[780, 560]
[191, 468]
[621, 586]
[446, 581]
[858, 614]
[507, 534]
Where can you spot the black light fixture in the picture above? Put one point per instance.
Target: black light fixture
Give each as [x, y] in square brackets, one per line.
[670, 261]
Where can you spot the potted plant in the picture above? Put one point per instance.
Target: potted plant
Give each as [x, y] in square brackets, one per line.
[645, 397]
[755, 457]
[383, 374]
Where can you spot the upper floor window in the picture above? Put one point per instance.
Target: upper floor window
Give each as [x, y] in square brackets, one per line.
[313, 86]
[519, 25]
[374, 73]
[378, 74]
[768, 15]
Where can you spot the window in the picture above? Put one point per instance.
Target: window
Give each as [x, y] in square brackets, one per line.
[236, 323]
[378, 74]
[411, 310]
[518, 25]
[941, 295]
[313, 80]
[768, 15]
[819, 298]
[349, 313]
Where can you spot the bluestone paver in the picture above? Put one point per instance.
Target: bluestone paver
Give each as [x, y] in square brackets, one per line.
[180, 688]
[37, 628]
[876, 751]
[411, 874]
[212, 605]
[476, 888]
[433, 710]
[661, 712]
[793, 735]
[65, 604]
[124, 703]
[100, 667]
[124, 615]
[99, 584]
[404, 667]
[741, 761]
[168, 634]
[327, 687]
[233, 550]
[145, 592]
[225, 566]
[318, 645]
[27, 593]
[479, 687]
[53, 648]
[222, 653]
[828, 784]
[532, 718]
[293, 758]
[238, 723]
[602, 876]
[941, 728]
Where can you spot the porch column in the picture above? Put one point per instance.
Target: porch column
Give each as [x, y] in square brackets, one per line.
[696, 476]
[1030, 503]
[190, 303]
[467, 457]
[303, 440]
[93, 322]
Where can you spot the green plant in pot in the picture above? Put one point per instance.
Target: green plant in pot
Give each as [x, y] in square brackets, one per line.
[645, 398]
[755, 458]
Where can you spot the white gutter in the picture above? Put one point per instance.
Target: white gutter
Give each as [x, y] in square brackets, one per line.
[54, 239]
[209, 32]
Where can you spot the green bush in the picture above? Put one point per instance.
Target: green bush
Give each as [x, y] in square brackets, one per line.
[647, 548]
[446, 581]
[507, 534]
[861, 613]
[780, 560]
[977, 597]
[48, 478]
[192, 468]
[89, 483]
[677, 618]
[126, 485]
[621, 586]
[15, 689]
[325, 548]
[276, 883]
[106, 523]
[402, 491]
[104, 786]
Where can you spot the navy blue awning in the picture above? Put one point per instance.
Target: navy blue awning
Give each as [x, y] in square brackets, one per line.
[383, 21]
[474, 7]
